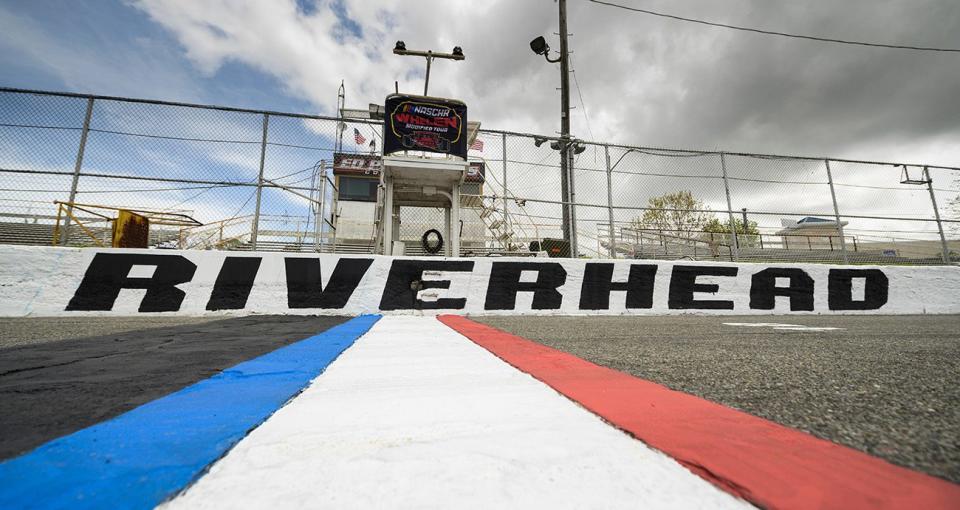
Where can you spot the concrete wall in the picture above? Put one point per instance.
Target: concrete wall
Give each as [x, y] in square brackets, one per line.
[46, 281]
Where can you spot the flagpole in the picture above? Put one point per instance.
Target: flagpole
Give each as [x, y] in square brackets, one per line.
[341, 126]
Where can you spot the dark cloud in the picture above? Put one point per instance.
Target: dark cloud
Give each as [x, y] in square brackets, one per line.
[644, 80]
[743, 91]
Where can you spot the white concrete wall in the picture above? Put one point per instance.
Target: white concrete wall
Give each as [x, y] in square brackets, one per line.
[42, 281]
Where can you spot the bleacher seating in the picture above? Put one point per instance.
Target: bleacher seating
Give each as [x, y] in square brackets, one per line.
[41, 234]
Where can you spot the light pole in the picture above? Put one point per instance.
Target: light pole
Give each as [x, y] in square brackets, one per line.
[401, 49]
[540, 47]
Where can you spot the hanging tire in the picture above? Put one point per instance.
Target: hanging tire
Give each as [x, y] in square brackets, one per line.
[427, 245]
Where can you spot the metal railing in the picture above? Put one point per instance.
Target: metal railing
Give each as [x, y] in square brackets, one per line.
[261, 180]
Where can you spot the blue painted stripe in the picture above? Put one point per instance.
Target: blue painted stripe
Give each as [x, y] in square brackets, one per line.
[144, 456]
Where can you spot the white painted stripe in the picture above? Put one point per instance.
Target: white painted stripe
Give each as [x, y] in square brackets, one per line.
[415, 415]
[782, 327]
[807, 328]
[761, 325]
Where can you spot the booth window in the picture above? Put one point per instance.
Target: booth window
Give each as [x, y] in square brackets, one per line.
[358, 189]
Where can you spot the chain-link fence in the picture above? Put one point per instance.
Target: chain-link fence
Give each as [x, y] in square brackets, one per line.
[267, 181]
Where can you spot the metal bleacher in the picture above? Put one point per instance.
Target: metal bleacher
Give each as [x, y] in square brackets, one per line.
[41, 234]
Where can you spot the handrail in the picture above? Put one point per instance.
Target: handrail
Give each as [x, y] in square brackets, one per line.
[63, 208]
[156, 217]
[510, 195]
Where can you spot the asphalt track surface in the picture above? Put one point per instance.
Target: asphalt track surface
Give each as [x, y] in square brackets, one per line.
[52, 388]
[15, 331]
[885, 385]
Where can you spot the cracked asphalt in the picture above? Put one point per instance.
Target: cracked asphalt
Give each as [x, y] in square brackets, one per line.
[885, 385]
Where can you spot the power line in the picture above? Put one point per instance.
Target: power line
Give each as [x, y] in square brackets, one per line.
[163, 137]
[771, 32]
[582, 105]
[235, 215]
[311, 167]
[36, 126]
[146, 190]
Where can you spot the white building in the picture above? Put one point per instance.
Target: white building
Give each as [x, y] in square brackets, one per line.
[811, 233]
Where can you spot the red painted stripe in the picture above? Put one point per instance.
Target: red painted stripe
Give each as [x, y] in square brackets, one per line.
[765, 463]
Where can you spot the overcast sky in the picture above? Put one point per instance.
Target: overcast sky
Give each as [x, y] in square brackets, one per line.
[639, 80]
[644, 80]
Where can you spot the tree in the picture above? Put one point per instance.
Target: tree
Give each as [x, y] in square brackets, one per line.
[675, 214]
[722, 227]
[748, 235]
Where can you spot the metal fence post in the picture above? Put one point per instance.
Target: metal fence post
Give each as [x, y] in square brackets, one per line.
[936, 214]
[263, 153]
[836, 214]
[735, 247]
[613, 241]
[506, 212]
[65, 237]
[321, 215]
[571, 189]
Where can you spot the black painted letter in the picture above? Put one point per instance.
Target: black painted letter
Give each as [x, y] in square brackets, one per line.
[234, 282]
[840, 289]
[683, 284]
[107, 275]
[400, 291]
[597, 285]
[304, 289]
[764, 290]
[505, 284]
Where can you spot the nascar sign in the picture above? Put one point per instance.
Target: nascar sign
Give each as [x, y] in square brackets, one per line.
[422, 123]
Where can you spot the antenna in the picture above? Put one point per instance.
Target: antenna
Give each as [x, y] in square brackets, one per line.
[341, 126]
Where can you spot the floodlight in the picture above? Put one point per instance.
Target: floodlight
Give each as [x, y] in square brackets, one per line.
[430, 55]
[555, 146]
[539, 46]
[538, 141]
[578, 148]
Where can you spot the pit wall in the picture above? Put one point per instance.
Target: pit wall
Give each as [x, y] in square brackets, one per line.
[49, 281]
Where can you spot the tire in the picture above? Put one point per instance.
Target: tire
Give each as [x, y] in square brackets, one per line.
[426, 246]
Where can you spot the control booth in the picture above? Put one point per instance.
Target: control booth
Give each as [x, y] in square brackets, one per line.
[425, 141]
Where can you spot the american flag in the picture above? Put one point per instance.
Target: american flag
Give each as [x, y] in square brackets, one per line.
[357, 137]
[477, 145]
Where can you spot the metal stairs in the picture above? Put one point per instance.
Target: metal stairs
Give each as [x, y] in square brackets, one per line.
[509, 233]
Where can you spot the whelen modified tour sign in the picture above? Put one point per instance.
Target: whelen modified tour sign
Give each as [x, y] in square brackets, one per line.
[68, 281]
[420, 123]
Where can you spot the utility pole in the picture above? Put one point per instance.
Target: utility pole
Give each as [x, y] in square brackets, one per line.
[566, 155]
[565, 145]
